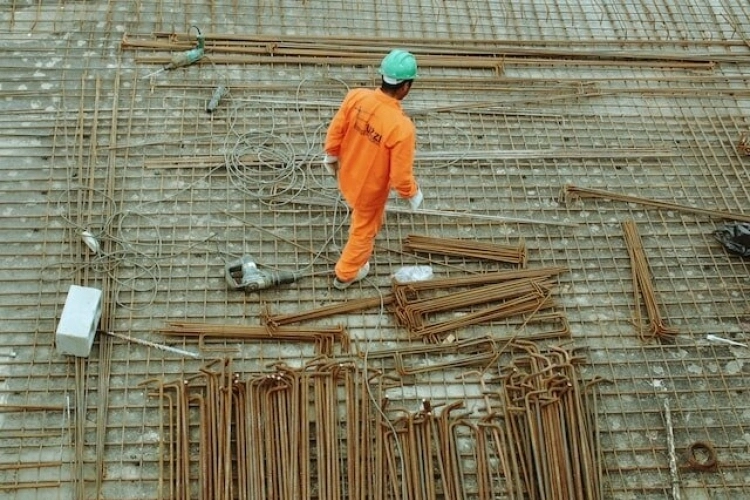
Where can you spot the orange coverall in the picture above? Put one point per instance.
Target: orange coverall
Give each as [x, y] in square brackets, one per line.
[374, 141]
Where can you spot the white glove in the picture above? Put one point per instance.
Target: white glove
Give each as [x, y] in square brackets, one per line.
[416, 200]
[331, 163]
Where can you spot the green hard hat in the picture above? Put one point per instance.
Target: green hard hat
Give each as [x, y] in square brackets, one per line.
[397, 66]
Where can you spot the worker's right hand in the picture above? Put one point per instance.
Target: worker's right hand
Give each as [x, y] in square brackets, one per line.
[416, 200]
[331, 163]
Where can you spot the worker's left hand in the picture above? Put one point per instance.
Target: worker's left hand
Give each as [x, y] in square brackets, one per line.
[416, 200]
[331, 163]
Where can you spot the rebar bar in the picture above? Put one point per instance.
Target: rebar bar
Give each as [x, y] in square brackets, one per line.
[548, 426]
[321, 335]
[349, 306]
[570, 191]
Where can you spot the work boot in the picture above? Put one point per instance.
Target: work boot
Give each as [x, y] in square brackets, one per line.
[361, 274]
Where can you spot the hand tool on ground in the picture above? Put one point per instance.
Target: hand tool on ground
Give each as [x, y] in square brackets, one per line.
[243, 274]
[185, 58]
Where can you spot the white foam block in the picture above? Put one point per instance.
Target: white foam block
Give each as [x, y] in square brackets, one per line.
[79, 321]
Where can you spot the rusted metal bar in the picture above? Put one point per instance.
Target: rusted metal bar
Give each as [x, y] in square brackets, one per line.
[319, 335]
[570, 191]
[333, 50]
[474, 280]
[548, 426]
[348, 306]
[480, 351]
[511, 298]
[468, 249]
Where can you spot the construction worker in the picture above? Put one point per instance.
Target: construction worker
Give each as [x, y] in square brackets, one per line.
[370, 149]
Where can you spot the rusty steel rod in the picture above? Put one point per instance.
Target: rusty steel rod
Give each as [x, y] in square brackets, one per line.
[323, 336]
[570, 192]
[330, 50]
[348, 306]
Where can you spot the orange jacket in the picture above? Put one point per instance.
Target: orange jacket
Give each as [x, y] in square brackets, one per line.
[375, 142]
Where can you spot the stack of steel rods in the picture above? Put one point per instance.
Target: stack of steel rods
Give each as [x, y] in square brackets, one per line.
[501, 300]
[467, 248]
[447, 155]
[273, 445]
[403, 291]
[300, 443]
[482, 351]
[294, 433]
[228, 49]
[324, 337]
[348, 306]
[498, 451]
[429, 455]
[312, 432]
[644, 288]
[215, 407]
[549, 426]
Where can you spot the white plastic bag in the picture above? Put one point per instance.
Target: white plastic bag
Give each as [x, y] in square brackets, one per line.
[408, 274]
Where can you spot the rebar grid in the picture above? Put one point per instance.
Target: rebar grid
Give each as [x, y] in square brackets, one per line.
[662, 133]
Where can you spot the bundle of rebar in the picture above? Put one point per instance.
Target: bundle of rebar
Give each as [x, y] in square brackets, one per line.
[471, 352]
[467, 248]
[348, 306]
[430, 455]
[550, 427]
[501, 295]
[324, 337]
[309, 433]
[501, 300]
[315, 432]
[272, 436]
[643, 288]
[208, 400]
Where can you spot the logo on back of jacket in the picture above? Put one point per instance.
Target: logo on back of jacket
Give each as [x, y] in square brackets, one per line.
[362, 125]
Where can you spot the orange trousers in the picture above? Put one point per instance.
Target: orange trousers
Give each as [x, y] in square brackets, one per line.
[365, 225]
